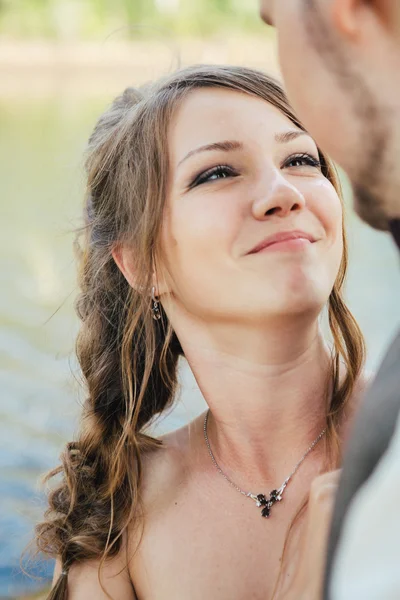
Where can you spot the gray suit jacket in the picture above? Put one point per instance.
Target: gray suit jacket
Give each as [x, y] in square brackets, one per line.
[372, 432]
[370, 439]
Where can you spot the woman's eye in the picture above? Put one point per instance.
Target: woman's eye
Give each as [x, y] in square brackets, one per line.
[220, 172]
[302, 160]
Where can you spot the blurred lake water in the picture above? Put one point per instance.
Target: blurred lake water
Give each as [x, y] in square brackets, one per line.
[41, 146]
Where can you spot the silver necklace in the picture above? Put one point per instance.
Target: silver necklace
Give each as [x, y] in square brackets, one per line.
[262, 501]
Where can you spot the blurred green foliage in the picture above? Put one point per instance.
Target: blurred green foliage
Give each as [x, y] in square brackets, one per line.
[129, 19]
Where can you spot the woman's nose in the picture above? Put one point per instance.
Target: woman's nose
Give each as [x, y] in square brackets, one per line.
[277, 197]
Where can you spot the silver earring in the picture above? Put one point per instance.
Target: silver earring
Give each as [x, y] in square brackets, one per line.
[155, 305]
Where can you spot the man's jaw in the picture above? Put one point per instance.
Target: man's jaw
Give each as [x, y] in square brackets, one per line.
[378, 207]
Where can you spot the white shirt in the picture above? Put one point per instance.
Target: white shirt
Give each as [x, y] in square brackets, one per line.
[367, 564]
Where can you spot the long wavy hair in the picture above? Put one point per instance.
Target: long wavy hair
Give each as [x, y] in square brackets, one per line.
[128, 360]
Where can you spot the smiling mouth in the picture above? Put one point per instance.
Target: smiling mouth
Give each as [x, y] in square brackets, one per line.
[285, 240]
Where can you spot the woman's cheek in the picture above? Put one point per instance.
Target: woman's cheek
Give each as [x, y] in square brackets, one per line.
[325, 203]
[209, 222]
[192, 234]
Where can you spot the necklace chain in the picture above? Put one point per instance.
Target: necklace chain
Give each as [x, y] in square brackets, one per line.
[260, 499]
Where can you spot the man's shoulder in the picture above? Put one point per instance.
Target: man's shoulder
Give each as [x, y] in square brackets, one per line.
[374, 424]
[382, 399]
[391, 361]
[372, 432]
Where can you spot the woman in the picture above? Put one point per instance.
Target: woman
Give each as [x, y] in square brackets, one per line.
[214, 230]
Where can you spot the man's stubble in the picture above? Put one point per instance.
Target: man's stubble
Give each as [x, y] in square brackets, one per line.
[371, 170]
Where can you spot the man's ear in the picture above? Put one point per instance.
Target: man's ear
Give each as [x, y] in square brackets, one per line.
[345, 16]
[348, 15]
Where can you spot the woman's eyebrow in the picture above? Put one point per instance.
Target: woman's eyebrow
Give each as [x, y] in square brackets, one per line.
[226, 146]
[288, 136]
[230, 145]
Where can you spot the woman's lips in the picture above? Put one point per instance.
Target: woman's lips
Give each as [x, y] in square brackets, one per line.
[285, 240]
[292, 244]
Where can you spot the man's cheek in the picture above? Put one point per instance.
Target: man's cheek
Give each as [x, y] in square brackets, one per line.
[290, 67]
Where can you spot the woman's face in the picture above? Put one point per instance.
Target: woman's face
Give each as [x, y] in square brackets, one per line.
[242, 177]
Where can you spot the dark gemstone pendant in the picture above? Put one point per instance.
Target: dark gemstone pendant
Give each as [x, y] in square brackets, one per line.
[267, 503]
[274, 497]
[261, 500]
[266, 511]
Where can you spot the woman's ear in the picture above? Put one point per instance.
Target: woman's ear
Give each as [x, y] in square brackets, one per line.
[161, 280]
[123, 256]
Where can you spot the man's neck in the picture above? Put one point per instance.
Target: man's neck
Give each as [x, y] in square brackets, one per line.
[395, 229]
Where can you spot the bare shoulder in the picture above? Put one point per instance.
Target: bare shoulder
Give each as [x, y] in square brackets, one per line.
[85, 580]
[166, 468]
[165, 474]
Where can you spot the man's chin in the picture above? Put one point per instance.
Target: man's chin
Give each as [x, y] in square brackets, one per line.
[370, 209]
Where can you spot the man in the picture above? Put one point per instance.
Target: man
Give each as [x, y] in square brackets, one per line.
[341, 64]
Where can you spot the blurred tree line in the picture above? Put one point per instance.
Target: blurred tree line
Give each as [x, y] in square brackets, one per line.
[89, 19]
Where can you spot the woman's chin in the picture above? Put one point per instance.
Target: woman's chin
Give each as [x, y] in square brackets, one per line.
[306, 302]
[304, 291]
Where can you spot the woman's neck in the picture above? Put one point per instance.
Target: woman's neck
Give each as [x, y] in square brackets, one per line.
[266, 389]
